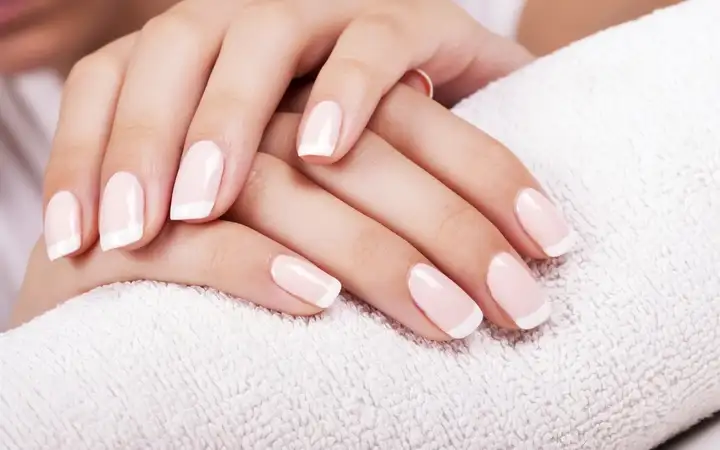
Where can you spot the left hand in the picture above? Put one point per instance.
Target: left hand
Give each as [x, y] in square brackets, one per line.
[203, 80]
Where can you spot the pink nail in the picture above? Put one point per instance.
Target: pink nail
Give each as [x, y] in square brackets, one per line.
[516, 291]
[197, 183]
[122, 211]
[305, 281]
[443, 302]
[62, 225]
[544, 222]
[321, 131]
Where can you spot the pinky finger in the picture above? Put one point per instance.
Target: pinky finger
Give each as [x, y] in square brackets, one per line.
[222, 255]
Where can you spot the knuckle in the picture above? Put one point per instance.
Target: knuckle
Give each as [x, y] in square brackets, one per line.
[370, 246]
[460, 222]
[180, 31]
[133, 133]
[281, 21]
[98, 65]
[363, 76]
[382, 27]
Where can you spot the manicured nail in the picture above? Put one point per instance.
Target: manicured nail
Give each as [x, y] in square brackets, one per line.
[321, 131]
[516, 291]
[305, 281]
[544, 222]
[62, 225]
[443, 302]
[197, 183]
[122, 211]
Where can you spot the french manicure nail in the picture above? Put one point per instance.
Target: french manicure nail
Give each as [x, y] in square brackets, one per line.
[321, 131]
[516, 291]
[62, 225]
[305, 281]
[122, 211]
[544, 222]
[443, 302]
[197, 183]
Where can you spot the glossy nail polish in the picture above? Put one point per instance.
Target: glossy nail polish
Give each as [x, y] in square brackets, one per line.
[544, 222]
[122, 211]
[62, 225]
[513, 287]
[197, 183]
[443, 301]
[305, 281]
[321, 131]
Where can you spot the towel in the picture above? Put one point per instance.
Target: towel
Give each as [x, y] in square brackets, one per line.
[623, 130]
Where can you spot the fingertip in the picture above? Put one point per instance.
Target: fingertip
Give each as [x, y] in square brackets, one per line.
[320, 132]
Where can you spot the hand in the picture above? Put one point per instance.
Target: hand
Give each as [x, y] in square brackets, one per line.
[421, 234]
[202, 82]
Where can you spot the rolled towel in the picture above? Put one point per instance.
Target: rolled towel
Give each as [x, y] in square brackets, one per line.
[623, 130]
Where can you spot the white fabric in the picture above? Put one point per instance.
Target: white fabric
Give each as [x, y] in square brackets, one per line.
[498, 16]
[622, 128]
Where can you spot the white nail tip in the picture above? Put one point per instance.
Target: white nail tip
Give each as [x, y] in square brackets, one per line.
[121, 238]
[333, 290]
[315, 150]
[196, 210]
[63, 248]
[535, 319]
[562, 247]
[467, 326]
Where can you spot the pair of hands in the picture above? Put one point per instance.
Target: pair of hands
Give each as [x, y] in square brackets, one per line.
[423, 232]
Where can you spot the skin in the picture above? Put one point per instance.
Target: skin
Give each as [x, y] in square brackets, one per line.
[125, 109]
[368, 235]
[547, 25]
[57, 33]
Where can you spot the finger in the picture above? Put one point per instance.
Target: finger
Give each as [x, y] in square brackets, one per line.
[371, 55]
[384, 185]
[370, 261]
[267, 45]
[165, 78]
[478, 168]
[489, 58]
[296, 97]
[72, 175]
[225, 256]
[256, 63]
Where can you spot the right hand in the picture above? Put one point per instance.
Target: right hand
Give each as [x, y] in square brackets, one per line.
[424, 231]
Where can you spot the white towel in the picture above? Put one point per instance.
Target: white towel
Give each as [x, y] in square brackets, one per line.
[624, 130]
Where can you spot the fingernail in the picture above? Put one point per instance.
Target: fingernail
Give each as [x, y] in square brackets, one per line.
[197, 183]
[122, 211]
[517, 292]
[443, 302]
[544, 222]
[321, 131]
[304, 280]
[62, 225]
